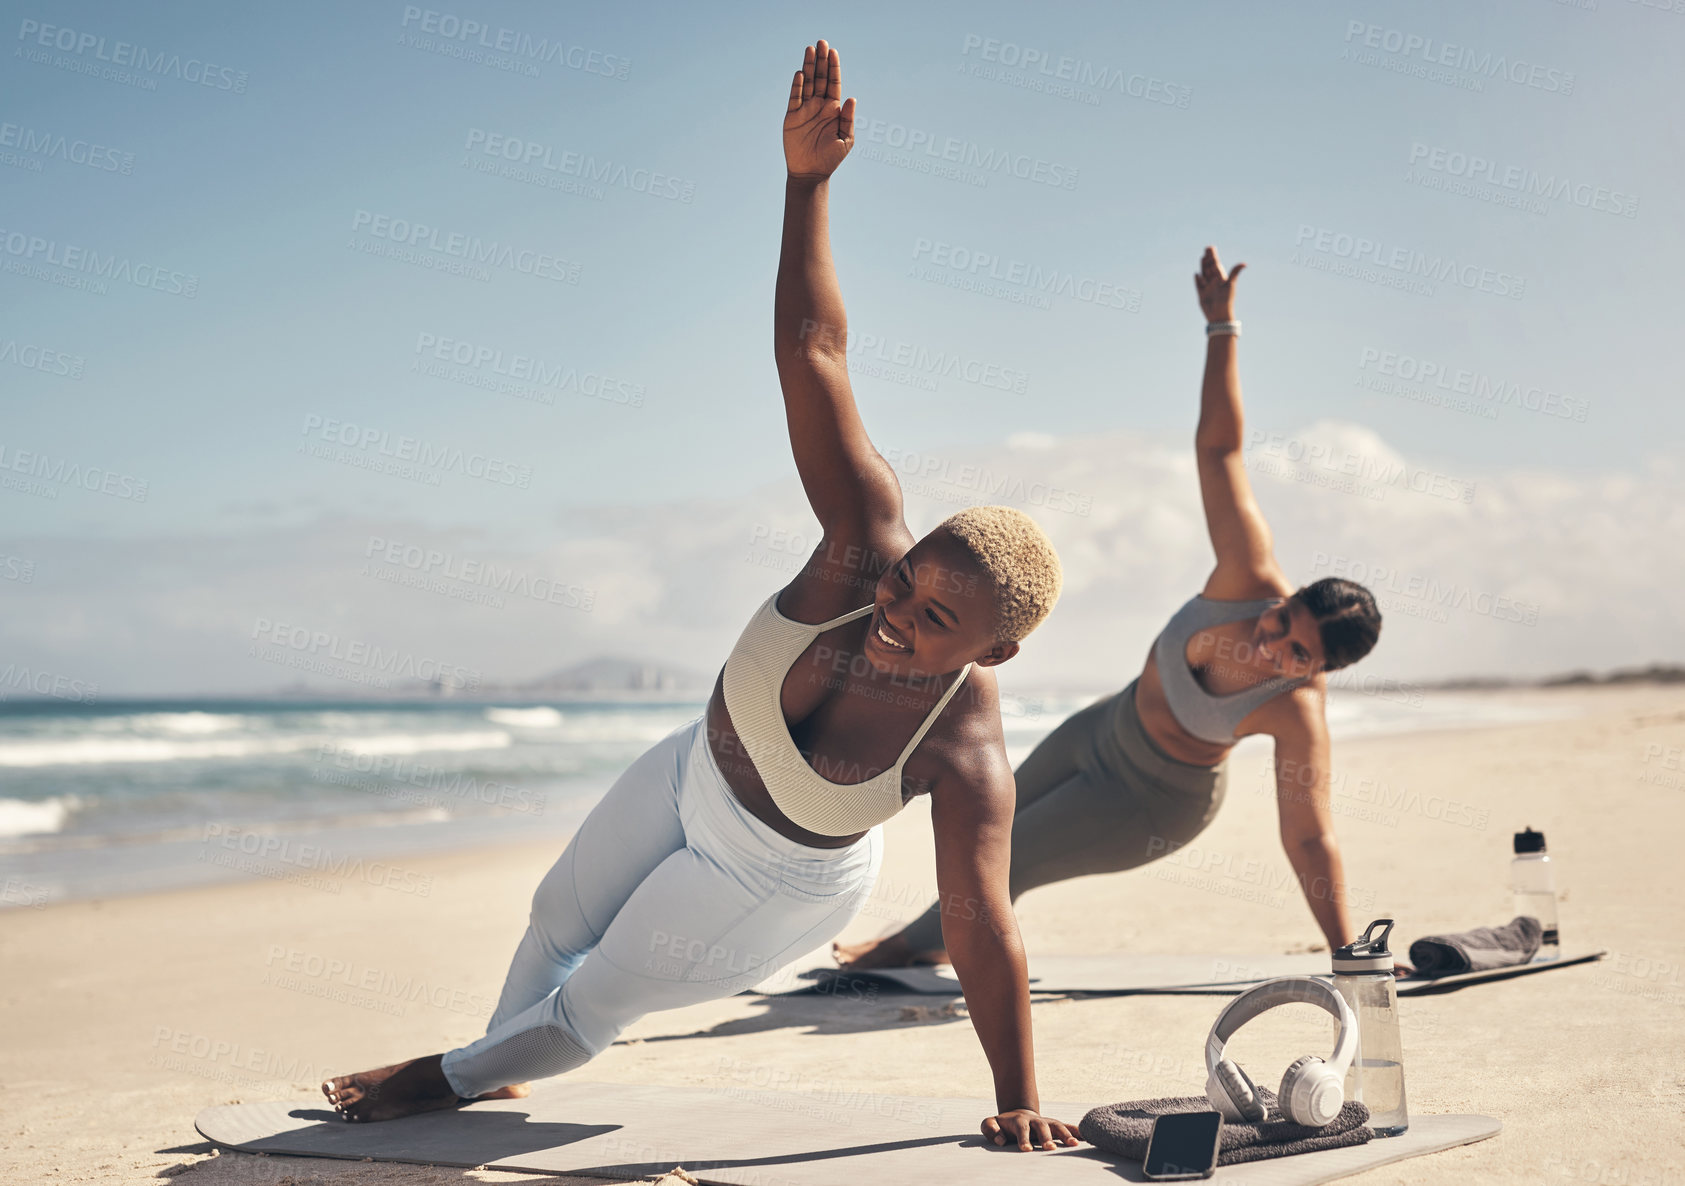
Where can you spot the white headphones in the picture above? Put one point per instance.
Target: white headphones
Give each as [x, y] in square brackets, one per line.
[1312, 1091]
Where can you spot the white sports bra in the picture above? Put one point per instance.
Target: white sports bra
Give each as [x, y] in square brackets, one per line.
[753, 680]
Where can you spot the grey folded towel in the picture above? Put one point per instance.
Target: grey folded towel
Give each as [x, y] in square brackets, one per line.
[1516, 942]
[1124, 1129]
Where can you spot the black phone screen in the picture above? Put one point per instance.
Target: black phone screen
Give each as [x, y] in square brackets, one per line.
[1183, 1144]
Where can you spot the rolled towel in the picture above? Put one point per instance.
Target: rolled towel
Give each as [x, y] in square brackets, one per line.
[1516, 942]
[1124, 1129]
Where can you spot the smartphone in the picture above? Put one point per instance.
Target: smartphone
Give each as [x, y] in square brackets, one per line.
[1183, 1145]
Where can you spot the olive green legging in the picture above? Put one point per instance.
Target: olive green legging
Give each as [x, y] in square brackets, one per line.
[1097, 796]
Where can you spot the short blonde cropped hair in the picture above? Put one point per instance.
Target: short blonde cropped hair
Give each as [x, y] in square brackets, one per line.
[1019, 559]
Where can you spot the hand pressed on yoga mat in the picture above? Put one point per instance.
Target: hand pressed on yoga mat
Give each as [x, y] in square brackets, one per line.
[1032, 1130]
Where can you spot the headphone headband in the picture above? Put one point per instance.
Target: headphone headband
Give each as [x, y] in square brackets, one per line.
[1285, 990]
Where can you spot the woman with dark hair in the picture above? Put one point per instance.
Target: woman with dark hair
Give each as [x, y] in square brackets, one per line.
[1139, 774]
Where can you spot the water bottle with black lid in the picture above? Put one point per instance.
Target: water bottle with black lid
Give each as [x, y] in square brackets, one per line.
[1534, 882]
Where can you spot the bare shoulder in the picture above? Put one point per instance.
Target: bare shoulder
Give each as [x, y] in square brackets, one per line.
[967, 746]
[1298, 715]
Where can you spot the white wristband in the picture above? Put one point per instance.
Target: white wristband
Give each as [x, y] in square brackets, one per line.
[1217, 328]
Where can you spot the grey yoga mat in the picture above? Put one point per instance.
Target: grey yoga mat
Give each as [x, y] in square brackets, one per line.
[745, 1137]
[1123, 974]
[1112, 973]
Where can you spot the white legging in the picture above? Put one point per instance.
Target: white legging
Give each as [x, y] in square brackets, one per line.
[670, 893]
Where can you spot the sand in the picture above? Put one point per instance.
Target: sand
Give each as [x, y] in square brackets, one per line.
[122, 1018]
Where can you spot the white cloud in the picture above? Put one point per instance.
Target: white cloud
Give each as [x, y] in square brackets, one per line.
[1594, 558]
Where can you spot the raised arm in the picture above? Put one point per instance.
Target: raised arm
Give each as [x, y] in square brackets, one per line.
[1246, 565]
[851, 488]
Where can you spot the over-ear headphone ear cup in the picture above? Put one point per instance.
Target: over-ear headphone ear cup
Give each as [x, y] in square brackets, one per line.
[1239, 1091]
[1311, 1092]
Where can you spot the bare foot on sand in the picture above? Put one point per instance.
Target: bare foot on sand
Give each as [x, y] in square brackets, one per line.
[515, 1091]
[889, 952]
[403, 1089]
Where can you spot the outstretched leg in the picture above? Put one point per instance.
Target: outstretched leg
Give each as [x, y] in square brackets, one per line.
[1092, 798]
[731, 904]
[630, 831]
[633, 828]
[714, 918]
[1055, 759]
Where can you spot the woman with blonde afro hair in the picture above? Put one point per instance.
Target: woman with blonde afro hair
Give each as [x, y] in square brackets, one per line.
[1019, 560]
[752, 835]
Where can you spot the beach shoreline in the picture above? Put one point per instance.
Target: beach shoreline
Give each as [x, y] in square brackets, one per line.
[167, 1002]
[355, 794]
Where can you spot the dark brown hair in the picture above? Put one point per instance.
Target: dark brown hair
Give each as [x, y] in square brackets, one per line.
[1346, 617]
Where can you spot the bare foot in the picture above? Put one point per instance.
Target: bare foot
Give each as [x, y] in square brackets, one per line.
[515, 1091]
[404, 1089]
[889, 952]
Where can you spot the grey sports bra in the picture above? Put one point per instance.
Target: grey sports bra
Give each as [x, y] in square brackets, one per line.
[1207, 717]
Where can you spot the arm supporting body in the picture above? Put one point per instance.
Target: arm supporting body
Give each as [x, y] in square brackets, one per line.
[980, 931]
[1303, 755]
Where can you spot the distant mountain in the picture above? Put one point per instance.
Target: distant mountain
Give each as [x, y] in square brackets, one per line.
[607, 677]
[1656, 673]
[612, 674]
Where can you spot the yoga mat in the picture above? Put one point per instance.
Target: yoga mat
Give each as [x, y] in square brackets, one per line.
[1414, 988]
[746, 1137]
[1110, 973]
[1123, 974]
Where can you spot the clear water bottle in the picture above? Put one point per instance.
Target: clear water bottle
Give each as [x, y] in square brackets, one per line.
[1363, 974]
[1534, 882]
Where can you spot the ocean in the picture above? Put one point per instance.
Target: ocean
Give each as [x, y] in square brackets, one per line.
[119, 798]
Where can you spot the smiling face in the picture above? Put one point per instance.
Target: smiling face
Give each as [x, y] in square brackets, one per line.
[1288, 640]
[934, 612]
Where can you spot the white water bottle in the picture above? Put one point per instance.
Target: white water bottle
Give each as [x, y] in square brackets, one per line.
[1363, 974]
[1534, 883]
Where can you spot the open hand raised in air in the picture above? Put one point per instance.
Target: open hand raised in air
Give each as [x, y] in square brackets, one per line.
[1216, 289]
[818, 124]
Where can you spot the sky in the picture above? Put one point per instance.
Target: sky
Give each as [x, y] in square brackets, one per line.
[310, 316]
